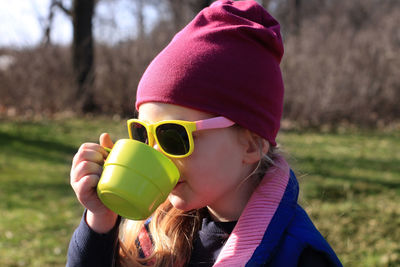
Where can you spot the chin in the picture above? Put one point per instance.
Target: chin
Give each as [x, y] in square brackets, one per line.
[180, 203]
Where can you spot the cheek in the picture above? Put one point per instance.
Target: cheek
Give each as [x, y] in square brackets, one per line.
[215, 158]
[224, 150]
[214, 169]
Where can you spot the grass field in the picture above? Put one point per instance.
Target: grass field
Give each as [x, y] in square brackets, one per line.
[350, 186]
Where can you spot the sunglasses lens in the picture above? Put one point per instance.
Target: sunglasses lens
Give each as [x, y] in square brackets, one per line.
[139, 132]
[173, 138]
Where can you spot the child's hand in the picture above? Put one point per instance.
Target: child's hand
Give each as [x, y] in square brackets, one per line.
[86, 170]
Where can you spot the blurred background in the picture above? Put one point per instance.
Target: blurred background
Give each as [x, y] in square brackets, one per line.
[69, 71]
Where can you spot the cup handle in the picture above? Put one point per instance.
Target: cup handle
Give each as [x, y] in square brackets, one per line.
[108, 150]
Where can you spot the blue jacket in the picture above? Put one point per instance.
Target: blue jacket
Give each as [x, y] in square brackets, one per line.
[289, 233]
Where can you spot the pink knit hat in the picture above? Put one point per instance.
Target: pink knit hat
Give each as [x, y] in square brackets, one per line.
[224, 62]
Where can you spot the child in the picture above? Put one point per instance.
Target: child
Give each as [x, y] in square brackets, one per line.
[236, 201]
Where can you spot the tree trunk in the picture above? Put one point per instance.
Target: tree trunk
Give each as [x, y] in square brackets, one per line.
[140, 19]
[296, 16]
[83, 54]
[178, 16]
[265, 3]
[198, 5]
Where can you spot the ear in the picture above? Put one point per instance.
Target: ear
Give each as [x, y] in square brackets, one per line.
[254, 147]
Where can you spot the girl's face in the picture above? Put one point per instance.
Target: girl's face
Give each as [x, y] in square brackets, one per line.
[212, 175]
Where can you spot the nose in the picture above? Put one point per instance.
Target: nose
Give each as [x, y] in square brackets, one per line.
[157, 147]
[178, 162]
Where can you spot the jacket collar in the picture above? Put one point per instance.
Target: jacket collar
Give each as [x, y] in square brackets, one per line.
[257, 224]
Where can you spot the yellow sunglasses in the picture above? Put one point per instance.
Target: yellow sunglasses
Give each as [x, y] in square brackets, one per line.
[174, 137]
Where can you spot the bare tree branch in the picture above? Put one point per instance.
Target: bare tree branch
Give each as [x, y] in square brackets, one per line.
[49, 25]
[61, 6]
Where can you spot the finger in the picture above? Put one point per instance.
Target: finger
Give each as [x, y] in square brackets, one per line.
[88, 155]
[105, 140]
[84, 188]
[87, 147]
[85, 168]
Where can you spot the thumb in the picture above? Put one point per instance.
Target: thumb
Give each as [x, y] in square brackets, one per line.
[105, 140]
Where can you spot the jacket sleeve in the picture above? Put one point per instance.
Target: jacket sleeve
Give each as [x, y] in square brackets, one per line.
[313, 258]
[88, 248]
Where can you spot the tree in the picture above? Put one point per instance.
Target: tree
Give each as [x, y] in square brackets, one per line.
[183, 11]
[265, 3]
[81, 14]
[296, 15]
[83, 53]
[198, 5]
[49, 24]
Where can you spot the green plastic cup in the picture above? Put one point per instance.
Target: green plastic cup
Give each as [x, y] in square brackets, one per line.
[136, 179]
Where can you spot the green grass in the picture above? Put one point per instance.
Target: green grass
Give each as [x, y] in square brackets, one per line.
[350, 186]
[38, 207]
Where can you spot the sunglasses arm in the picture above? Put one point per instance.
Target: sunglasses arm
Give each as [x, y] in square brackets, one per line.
[213, 123]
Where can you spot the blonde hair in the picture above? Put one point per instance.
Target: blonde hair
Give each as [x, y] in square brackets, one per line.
[172, 231]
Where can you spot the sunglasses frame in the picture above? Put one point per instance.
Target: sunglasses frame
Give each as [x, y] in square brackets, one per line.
[190, 127]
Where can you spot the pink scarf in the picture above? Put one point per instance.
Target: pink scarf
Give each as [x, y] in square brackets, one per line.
[254, 221]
